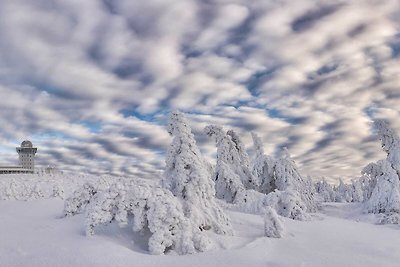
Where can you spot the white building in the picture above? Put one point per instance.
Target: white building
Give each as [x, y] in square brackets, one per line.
[26, 159]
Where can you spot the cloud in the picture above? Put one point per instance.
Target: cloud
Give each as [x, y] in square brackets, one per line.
[91, 83]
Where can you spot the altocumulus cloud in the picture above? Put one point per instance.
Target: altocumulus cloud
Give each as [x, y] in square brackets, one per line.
[91, 82]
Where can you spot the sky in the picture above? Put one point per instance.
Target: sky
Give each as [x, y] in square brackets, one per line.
[91, 82]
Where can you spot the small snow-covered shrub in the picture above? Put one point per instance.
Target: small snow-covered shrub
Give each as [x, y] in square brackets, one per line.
[28, 187]
[58, 191]
[249, 201]
[288, 204]
[273, 225]
[390, 218]
[150, 208]
[77, 202]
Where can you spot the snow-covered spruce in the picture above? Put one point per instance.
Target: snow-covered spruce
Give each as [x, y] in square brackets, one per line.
[369, 178]
[152, 209]
[187, 177]
[325, 190]
[343, 192]
[390, 142]
[385, 197]
[263, 167]
[248, 179]
[273, 225]
[229, 182]
[230, 176]
[287, 177]
[382, 179]
[357, 194]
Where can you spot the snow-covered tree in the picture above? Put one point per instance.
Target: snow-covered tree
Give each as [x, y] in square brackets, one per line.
[187, 177]
[357, 194]
[287, 177]
[58, 191]
[343, 192]
[368, 179]
[77, 202]
[325, 191]
[390, 143]
[385, 196]
[240, 147]
[273, 225]
[228, 171]
[381, 180]
[152, 209]
[288, 204]
[249, 181]
[263, 167]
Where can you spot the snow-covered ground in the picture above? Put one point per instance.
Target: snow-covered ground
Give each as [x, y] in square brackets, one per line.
[32, 233]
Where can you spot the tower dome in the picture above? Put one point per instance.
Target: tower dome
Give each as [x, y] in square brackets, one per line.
[26, 143]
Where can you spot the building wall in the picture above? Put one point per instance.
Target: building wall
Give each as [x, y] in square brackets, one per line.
[27, 158]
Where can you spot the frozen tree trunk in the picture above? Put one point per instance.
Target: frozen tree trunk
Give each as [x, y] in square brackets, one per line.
[187, 177]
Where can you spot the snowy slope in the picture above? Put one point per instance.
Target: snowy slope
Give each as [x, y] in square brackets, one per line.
[33, 234]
